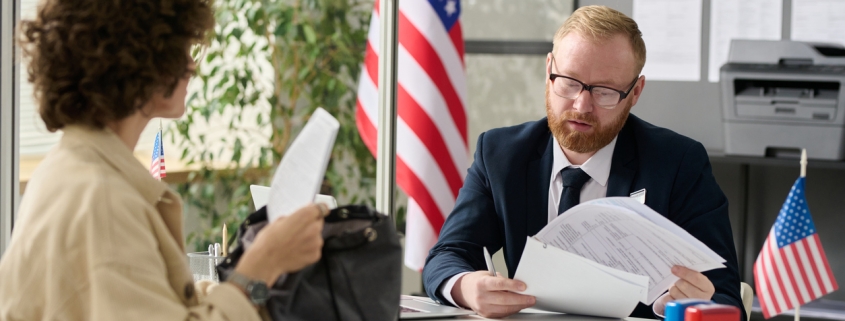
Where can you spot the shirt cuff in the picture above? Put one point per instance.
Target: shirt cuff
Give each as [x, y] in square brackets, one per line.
[653, 308]
[446, 289]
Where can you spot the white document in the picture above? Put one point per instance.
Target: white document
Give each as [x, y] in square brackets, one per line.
[300, 174]
[565, 282]
[818, 21]
[747, 19]
[672, 34]
[623, 234]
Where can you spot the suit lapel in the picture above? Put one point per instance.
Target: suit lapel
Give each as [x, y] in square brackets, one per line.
[624, 163]
[537, 189]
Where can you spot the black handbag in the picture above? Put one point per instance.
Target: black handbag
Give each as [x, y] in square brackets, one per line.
[358, 276]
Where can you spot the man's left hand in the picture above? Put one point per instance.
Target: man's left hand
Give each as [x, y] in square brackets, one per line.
[691, 285]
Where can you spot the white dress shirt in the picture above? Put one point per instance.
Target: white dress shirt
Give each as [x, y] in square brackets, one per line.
[597, 167]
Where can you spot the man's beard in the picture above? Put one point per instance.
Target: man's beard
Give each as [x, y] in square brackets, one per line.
[581, 142]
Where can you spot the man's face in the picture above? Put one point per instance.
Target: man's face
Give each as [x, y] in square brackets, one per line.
[579, 124]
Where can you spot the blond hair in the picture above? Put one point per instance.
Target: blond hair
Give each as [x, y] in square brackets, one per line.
[602, 23]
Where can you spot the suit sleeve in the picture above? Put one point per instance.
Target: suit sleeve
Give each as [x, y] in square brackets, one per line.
[472, 224]
[698, 205]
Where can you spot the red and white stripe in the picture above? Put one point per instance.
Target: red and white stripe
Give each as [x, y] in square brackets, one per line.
[157, 168]
[431, 138]
[791, 276]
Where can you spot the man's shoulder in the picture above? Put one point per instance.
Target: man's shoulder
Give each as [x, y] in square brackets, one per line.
[525, 135]
[658, 139]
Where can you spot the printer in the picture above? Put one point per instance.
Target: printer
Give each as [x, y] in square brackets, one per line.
[781, 96]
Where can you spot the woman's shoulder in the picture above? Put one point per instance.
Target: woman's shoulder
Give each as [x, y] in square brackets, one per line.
[77, 182]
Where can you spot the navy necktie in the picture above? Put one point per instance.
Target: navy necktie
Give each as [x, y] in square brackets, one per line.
[573, 180]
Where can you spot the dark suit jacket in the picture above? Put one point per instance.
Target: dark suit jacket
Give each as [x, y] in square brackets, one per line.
[505, 199]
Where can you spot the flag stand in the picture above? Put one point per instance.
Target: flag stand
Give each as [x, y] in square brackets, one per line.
[803, 174]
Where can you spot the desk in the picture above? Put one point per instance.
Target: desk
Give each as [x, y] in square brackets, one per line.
[541, 317]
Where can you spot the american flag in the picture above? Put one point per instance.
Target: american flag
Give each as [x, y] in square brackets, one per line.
[431, 143]
[157, 165]
[792, 268]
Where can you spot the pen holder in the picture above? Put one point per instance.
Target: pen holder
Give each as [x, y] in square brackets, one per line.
[203, 266]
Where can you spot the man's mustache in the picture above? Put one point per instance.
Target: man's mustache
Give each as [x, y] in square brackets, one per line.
[588, 119]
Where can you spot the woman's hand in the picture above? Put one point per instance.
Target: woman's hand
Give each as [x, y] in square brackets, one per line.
[286, 245]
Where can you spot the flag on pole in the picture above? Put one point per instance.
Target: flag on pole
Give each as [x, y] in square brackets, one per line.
[792, 268]
[157, 165]
[431, 138]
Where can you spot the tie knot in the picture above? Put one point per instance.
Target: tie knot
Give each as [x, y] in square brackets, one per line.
[574, 177]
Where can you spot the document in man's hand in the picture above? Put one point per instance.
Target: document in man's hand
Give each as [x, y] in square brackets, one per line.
[300, 174]
[603, 256]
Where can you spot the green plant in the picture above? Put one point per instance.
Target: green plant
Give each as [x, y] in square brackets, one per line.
[268, 66]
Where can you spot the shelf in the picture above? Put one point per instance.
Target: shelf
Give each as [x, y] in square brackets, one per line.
[721, 157]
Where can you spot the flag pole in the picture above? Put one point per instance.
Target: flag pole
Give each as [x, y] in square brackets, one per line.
[387, 58]
[803, 162]
[803, 174]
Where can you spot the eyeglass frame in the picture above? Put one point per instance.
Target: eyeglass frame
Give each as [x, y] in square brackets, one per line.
[589, 88]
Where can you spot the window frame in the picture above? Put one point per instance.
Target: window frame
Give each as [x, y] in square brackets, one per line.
[9, 121]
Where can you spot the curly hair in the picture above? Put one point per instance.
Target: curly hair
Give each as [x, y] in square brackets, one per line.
[96, 61]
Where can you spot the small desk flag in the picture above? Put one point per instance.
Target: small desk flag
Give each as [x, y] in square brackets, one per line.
[792, 268]
[157, 165]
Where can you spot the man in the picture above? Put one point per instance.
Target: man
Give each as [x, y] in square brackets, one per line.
[588, 147]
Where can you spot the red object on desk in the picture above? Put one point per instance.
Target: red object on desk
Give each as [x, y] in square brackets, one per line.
[712, 312]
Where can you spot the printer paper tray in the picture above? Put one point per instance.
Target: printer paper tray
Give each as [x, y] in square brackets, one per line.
[786, 112]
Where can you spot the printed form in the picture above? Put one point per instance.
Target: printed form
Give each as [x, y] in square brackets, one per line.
[298, 178]
[617, 233]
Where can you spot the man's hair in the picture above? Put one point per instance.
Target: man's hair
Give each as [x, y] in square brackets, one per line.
[97, 61]
[602, 23]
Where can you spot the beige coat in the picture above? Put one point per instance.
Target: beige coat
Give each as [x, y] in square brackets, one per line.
[99, 239]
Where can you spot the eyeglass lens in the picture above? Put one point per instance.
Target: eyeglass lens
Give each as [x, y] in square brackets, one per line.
[570, 89]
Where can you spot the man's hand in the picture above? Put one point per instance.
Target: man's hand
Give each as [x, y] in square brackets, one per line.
[692, 285]
[489, 296]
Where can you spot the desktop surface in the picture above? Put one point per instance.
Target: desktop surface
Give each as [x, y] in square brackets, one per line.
[540, 317]
[530, 314]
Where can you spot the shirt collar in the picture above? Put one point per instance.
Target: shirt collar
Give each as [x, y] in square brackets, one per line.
[598, 166]
[114, 152]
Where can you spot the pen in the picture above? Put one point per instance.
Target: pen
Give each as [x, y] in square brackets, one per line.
[225, 241]
[489, 262]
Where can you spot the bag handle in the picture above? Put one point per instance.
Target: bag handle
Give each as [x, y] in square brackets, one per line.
[353, 212]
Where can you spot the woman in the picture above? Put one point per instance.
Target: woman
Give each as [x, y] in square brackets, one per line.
[98, 238]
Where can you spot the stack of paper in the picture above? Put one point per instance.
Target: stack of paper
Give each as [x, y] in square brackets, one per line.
[300, 174]
[602, 257]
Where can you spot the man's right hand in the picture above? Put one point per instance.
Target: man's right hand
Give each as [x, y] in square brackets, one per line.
[489, 296]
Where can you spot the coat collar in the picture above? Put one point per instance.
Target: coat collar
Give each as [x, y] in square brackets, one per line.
[538, 178]
[624, 164]
[114, 152]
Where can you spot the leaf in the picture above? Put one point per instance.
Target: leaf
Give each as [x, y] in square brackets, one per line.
[310, 36]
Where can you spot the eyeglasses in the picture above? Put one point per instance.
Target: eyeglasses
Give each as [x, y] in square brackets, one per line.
[604, 97]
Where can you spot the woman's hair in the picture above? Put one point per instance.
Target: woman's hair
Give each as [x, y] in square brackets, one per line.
[96, 61]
